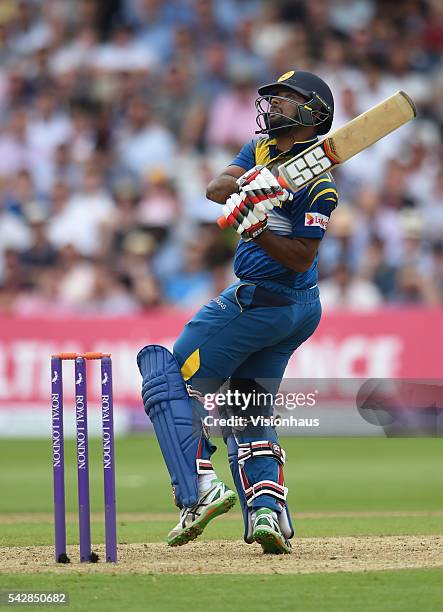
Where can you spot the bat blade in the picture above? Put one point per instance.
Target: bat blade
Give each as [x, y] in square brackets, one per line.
[347, 141]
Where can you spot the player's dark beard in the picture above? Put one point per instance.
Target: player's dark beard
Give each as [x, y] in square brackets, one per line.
[279, 124]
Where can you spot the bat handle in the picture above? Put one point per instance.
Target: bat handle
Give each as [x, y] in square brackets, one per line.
[282, 182]
[223, 222]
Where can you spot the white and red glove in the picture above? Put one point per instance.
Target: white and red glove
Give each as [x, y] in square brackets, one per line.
[247, 211]
[249, 220]
[262, 186]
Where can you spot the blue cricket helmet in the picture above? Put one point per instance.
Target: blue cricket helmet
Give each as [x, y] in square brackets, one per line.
[317, 109]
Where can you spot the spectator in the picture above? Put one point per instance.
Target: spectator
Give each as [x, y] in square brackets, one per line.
[82, 217]
[214, 69]
[432, 206]
[343, 291]
[77, 54]
[16, 152]
[30, 31]
[136, 264]
[143, 143]
[42, 297]
[15, 279]
[77, 279]
[174, 99]
[346, 16]
[15, 236]
[41, 254]
[48, 126]
[193, 284]
[123, 220]
[436, 269]
[113, 121]
[123, 54]
[376, 269]
[414, 289]
[110, 294]
[160, 205]
[231, 120]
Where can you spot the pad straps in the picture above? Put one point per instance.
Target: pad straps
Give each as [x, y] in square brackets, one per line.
[266, 487]
[262, 448]
[203, 465]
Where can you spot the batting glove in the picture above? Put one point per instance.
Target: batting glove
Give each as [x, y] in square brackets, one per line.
[248, 220]
[261, 186]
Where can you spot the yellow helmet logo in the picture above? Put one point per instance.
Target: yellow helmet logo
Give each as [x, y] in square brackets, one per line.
[285, 76]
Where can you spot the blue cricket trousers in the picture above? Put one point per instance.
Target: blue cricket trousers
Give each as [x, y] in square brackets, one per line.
[247, 333]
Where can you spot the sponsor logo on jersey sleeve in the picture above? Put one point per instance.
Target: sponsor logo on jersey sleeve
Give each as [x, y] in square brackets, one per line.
[316, 220]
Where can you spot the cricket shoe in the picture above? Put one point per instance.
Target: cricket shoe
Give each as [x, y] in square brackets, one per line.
[217, 500]
[267, 533]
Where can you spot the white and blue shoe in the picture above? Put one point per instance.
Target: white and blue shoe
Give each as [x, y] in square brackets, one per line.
[217, 500]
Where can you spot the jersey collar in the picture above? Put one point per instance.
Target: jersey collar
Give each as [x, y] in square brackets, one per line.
[296, 148]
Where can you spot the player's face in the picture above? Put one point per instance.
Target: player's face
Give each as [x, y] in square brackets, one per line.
[283, 104]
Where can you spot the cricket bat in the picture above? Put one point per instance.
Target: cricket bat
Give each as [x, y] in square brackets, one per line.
[344, 143]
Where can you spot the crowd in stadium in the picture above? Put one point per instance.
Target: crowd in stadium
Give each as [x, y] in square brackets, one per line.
[115, 115]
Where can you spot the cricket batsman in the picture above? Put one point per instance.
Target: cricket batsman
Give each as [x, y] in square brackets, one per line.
[244, 337]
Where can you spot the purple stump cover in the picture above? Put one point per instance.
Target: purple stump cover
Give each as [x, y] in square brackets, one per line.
[108, 460]
[58, 463]
[81, 417]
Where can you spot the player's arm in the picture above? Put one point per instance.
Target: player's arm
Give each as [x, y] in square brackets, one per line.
[223, 185]
[298, 253]
[295, 253]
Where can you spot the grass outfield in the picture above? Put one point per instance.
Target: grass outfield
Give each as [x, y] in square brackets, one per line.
[402, 591]
[338, 487]
[323, 475]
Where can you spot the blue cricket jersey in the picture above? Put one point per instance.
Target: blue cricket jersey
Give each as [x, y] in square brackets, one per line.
[307, 215]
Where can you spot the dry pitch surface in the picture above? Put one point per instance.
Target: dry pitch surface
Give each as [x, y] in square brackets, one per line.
[310, 555]
[349, 554]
